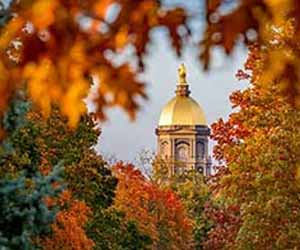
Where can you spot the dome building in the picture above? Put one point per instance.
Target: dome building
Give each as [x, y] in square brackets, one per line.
[182, 132]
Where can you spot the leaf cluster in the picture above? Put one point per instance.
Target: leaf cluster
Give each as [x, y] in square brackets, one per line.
[271, 26]
[57, 52]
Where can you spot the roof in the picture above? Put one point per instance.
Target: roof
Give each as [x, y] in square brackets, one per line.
[182, 110]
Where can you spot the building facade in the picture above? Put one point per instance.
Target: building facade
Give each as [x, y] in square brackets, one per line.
[182, 132]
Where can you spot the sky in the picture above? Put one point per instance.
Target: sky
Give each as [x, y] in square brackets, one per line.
[125, 139]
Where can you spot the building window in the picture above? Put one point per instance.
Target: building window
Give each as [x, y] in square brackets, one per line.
[182, 151]
[181, 156]
[200, 150]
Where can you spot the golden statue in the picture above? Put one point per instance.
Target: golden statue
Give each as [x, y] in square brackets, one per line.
[182, 74]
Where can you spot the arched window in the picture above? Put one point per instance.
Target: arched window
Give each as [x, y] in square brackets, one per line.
[181, 156]
[182, 151]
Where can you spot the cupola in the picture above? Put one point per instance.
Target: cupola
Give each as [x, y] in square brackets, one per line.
[182, 109]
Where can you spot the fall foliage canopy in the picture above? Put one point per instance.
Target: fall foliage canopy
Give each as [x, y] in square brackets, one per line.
[159, 213]
[55, 47]
[68, 229]
[257, 186]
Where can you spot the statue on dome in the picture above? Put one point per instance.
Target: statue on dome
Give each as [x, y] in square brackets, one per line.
[182, 74]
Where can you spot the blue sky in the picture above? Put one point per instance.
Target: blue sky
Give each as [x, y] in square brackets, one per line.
[125, 139]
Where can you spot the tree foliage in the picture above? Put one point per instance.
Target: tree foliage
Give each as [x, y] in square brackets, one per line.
[91, 189]
[273, 25]
[193, 191]
[259, 187]
[68, 229]
[23, 189]
[24, 213]
[57, 51]
[158, 213]
[112, 231]
[92, 181]
[34, 146]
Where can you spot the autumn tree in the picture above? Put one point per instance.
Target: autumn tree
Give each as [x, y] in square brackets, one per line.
[90, 184]
[192, 189]
[68, 230]
[258, 144]
[158, 213]
[190, 186]
[258, 184]
[91, 180]
[37, 146]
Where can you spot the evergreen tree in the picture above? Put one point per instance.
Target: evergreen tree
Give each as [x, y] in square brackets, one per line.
[23, 189]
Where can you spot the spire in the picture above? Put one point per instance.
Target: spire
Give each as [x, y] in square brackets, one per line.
[182, 86]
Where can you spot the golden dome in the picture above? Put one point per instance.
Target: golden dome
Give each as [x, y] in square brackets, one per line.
[182, 109]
